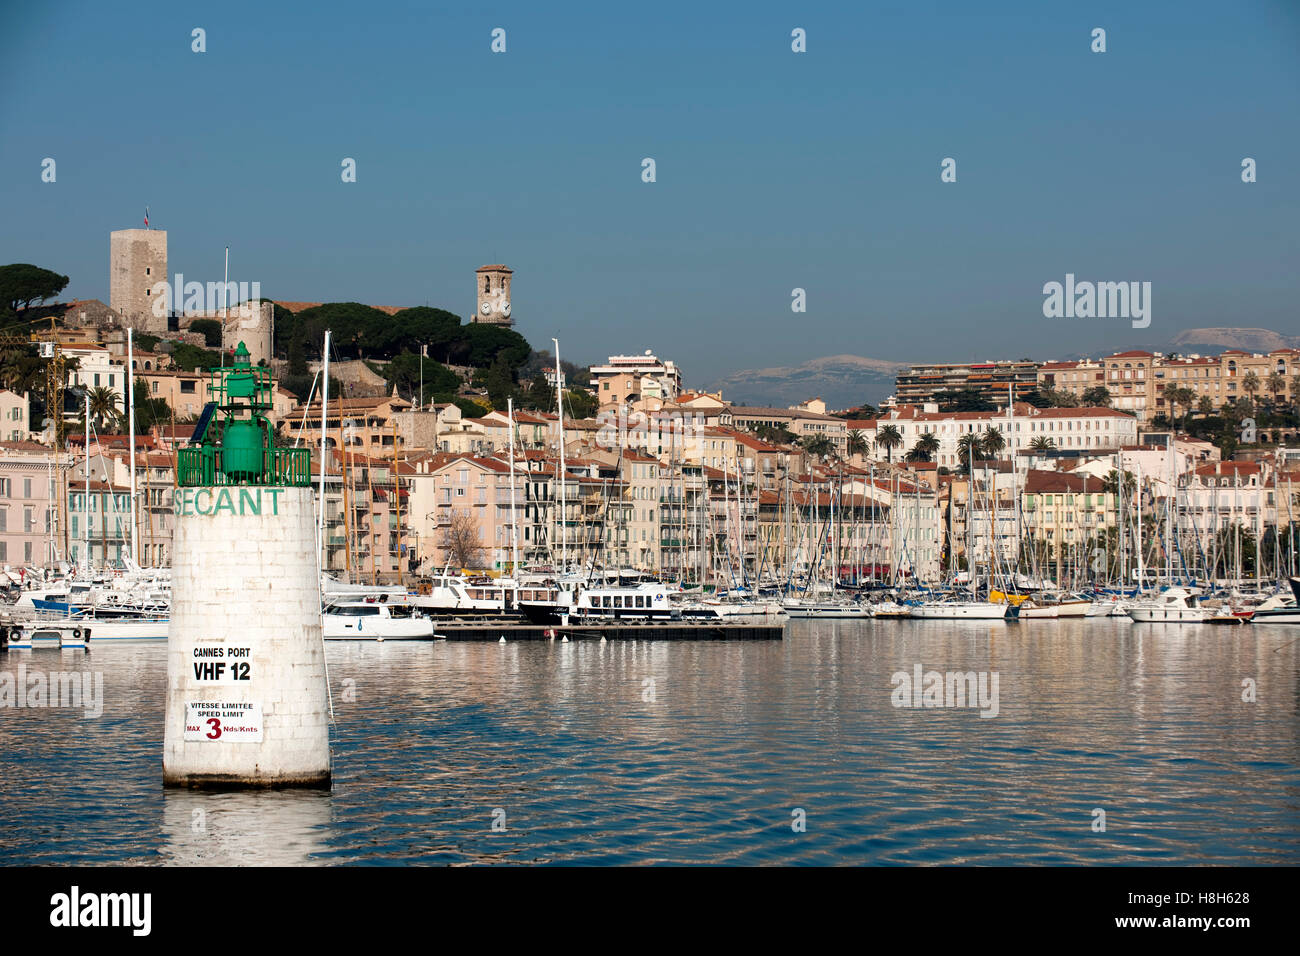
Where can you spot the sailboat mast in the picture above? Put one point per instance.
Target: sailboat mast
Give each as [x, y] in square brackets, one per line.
[514, 519]
[324, 409]
[86, 509]
[130, 416]
[559, 405]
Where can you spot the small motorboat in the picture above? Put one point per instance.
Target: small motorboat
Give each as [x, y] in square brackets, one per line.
[1173, 606]
[373, 621]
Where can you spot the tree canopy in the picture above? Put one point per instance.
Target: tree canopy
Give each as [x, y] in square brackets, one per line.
[22, 283]
[359, 331]
[963, 400]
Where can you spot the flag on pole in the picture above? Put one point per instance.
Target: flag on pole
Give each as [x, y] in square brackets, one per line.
[146, 217]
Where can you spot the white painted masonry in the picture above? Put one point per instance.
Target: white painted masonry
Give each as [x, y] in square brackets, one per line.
[244, 576]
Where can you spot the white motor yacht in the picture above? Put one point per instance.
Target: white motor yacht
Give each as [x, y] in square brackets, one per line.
[373, 621]
[1173, 606]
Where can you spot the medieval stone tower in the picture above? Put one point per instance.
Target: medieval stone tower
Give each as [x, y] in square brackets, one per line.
[493, 306]
[138, 262]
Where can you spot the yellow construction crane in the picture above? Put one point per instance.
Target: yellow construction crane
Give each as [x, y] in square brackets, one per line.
[50, 347]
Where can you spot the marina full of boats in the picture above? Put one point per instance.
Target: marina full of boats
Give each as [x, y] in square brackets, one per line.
[62, 610]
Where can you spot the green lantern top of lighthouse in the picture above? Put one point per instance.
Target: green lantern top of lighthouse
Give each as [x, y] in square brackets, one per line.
[234, 440]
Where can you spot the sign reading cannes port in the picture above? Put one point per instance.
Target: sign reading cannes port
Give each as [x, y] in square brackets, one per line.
[235, 501]
[237, 722]
[223, 665]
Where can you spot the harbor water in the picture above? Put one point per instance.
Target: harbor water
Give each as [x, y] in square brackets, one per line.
[1099, 742]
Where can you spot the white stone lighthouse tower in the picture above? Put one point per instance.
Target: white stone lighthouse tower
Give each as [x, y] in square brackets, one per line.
[247, 698]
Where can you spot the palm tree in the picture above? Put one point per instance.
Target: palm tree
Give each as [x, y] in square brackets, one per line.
[1178, 395]
[1205, 406]
[1172, 397]
[1110, 484]
[1276, 383]
[103, 404]
[819, 447]
[1250, 385]
[857, 443]
[969, 450]
[888, 438]
[1042, 443]
[992, 442]
[925, 448]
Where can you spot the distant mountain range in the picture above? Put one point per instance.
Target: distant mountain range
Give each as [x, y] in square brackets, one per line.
[1219, 340]
[841, 381]
[845, 381]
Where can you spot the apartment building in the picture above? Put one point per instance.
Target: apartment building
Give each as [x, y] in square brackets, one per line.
[1066, 510]
[642, 478]
[99, 522]
[184, 392]
[1076, 377]
[470, 517]
[1078, 429]
[636, 380]
[992, 380]
[805, 422]
[1137, 380]
[28, 504]
[15, 422]
[364, 426]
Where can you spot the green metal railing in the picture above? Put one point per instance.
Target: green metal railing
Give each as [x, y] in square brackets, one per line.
[285, 467]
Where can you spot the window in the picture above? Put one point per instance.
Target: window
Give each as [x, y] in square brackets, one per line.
[27, 487]
[155, 388]
[187, 388]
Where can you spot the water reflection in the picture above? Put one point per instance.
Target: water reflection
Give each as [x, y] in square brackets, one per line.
[287, 828]
[647, 752]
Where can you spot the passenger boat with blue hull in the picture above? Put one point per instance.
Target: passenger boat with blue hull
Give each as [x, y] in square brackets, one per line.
[644, 600]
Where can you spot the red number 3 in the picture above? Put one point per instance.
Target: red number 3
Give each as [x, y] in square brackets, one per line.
[215, 724]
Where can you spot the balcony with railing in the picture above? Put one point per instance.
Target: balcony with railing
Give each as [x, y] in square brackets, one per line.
[277, 467]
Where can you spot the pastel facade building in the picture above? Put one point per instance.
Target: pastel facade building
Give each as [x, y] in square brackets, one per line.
[29, 504]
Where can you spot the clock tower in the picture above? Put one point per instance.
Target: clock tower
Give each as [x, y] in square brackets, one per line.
[493, 304]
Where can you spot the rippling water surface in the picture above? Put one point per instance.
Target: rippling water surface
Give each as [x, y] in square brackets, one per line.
[582, 759]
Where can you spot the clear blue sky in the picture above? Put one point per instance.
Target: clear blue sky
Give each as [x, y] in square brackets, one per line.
[775, 170]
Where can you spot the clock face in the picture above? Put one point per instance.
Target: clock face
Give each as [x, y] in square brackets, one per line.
[506, 308]
[485, 308]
